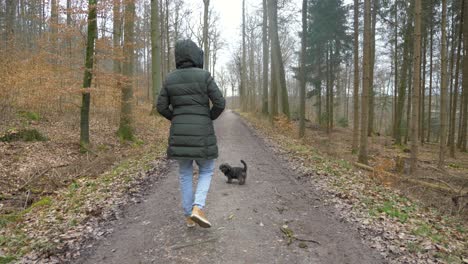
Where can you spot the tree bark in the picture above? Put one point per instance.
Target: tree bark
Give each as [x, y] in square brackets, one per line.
[395, 62]
[243, 88]
[443, 85]
[10, 22]
[265, 59]
[370, 129]
[356, 77]
[272, 9]
[453, 114]
[206, 48]
[363, 158]
[429, 104]
[155, 52]
[465, 82]
[416, 86]
[125, 131]
[88, 75]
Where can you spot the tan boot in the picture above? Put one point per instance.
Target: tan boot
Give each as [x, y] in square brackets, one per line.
[189, 222]
[199, 217]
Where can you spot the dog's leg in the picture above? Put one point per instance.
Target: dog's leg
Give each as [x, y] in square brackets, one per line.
[229, 179]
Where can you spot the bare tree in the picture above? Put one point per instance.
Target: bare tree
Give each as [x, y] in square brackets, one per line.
[302, 69]
[356, 77]
[416, 85]
[125, 131]
[265, 43]
[206, 47]
[155, 52]
[365, 83]
[443, 87]
[88, 76]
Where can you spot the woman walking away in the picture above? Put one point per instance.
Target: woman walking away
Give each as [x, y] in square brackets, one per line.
[185, 101]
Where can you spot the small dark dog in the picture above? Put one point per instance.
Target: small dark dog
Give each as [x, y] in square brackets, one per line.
[234, 172]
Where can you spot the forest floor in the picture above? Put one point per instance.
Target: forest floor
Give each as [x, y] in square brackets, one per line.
[131, 213]
[446, 190]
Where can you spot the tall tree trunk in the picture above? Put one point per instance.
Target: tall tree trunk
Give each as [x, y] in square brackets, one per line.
[125, 131]
[88, 75]
[243, 88]
[423, 87]
[155, 52]
[416, 86]
[69, 24]
[429, 104]
[302, 69]
[276, 51]
[116, 38]
[168, 43]
[272, 9]
[370, 129]
[327, 92]
[443, 85]
[365, 82]
[54, 27]
[395, 62]
[453, 114]
[402, 86]
[465, 82]
[206, 48]
[265, 59]
[10, 22]
[356, 77]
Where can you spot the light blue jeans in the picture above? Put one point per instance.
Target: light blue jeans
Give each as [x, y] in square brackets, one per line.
[206, 168]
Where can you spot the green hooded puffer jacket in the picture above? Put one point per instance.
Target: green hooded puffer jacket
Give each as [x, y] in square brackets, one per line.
[185, 100]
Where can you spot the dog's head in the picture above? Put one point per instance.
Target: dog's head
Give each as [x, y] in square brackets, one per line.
[225, 168]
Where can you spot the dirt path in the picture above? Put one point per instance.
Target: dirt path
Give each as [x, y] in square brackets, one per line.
[246, 219]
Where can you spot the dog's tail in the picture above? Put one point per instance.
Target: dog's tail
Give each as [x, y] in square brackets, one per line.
[245, 165]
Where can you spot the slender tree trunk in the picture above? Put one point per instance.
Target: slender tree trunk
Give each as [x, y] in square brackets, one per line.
[465, 82]
[116, 38]
[453, 114]
[416, 86]
[402, 86]
[272, 5]
[205, 35]
[88, 75]
[443, 85]
[365, 83]
[168, 43]
[54, 26]
[126, 127]
[429, 104]
[327, 92]
[243, 88]
[69, 24]
[155, 52]
[265, 59]
[408, 105]
[278, 61]
[10, 22]
[370, 129]
[395, 58]
[423, 89]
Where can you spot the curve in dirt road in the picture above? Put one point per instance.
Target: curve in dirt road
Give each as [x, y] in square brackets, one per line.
[249, 221]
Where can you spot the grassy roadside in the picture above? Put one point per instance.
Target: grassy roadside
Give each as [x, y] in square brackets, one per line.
[400, 228]
[58, 223]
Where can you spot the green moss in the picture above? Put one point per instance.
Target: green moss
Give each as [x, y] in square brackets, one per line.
[46, 201]
[392, 210]
[8, 218]
[28, 135]
[125, 133]
[6, 259]
[33, 116]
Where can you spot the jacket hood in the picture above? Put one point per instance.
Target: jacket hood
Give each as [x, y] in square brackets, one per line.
[188, 54]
